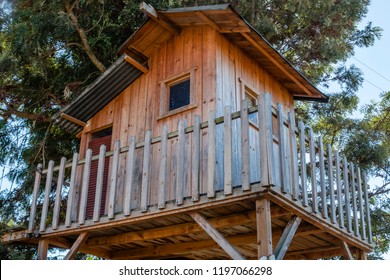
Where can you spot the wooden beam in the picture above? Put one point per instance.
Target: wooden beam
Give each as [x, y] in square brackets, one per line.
[76, 246]
[218, 238]
[286, 238]
[136, 64]
[159, 18]
[264, 228]
[347, 253]
[72, 119]
[43, 246]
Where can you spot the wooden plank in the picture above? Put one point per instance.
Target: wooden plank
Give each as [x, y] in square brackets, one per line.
[302, 154]
[76, 246]
[84, 187]
[324, 206]
[294, 155]
[180, 168]
[264, 228]
[216, 236]
[283, 152]
[159, 18]
[227, 155]
[286, 238]
[43, 246]
[99, 183]
[354, 202]
[347, 252]
[211, 155]
[113, 181]
[71, 194]
[58, 196]
[162, 173]
[346, 194]
[196, 153]
[45, 206]
[331, 185]
[73, 120]
[146, 173]
[269, 140]
[339, 190]
[361, 209]
[367, 206]
[313, 170]
[136, 64]
[129, 184]
[261, 116]
[34, 201]
[245, 172]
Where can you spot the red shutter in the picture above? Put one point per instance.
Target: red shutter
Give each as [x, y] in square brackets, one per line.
[94, 145]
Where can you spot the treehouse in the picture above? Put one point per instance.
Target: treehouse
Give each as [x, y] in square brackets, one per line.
[189, 149]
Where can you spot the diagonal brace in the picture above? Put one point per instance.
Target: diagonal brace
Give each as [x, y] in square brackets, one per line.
[347, 252]
[76, 246]
[286, 238]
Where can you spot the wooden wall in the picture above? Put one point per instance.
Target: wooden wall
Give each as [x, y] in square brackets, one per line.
[220, 65]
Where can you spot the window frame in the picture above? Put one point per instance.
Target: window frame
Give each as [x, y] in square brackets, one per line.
[251, 91]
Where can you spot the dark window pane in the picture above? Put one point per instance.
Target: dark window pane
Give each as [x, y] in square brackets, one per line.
[179, 95]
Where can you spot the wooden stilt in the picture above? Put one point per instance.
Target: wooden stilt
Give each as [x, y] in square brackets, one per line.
[286, 238]
[43, 246]
[264, 230]
[76, 246]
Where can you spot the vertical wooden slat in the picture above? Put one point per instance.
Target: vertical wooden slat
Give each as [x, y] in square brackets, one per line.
[211, 155]
[146, 173]
[269, 140]
[302, 144]
[33, 210]
[331, 185]
[84, 187]
[339, 190]
[346, 194]
[361, 209]
[114, 180]
[180, 172]
[261, 116]
[45, 206]
[162, 172]
[282, 150]
[245, 172]
[294, 155]
[367, 206]
[227, 155]
[99, 183]
[58, 196]
[195, 176]
[324, 207]
[312, 148]
[129, 177]
[71, 192]
[354, 204]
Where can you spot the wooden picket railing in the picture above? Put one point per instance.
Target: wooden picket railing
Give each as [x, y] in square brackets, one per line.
[223, 155]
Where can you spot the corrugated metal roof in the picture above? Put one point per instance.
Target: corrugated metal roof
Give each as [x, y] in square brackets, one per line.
[105, 88]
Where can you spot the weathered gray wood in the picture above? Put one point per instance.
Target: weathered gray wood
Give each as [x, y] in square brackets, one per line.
[302, 154]
[331, 185]
[346, 194]
[71, 193]
[367, 207]
[211, 155]
[99, 183]
[354, 202]
[58, 196]
[76, 246]
[162, 173]
[261, 116]
[195, 176]
[294, 157]
[324, 208]
[113, 180]
[264, 228]
[282, 150]
[33, 210]
[227, 155]
[361, 209]
[45, 206]
[286, 238]
[180, 171]
[313, 170]
[129, 184]
[269, 140]
[245, 163]
[347, 252]
[216, 236]
[84, 187]
[43, 247]
[339, 190]
[146, 173]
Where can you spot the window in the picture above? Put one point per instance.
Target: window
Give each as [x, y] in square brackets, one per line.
[251, 96]
[177, 94]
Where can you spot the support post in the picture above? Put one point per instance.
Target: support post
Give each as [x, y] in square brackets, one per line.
[286, 238]
[264, 230]
[43, 246]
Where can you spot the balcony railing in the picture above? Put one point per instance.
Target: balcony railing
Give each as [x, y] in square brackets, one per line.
[224, 156]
